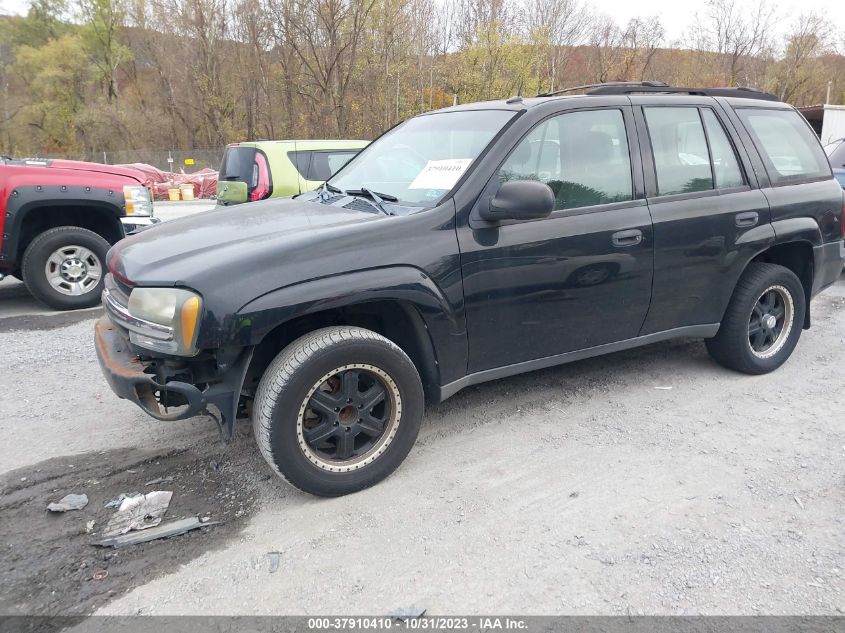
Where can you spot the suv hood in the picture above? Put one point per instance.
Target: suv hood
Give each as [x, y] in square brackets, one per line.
[78, 165]
[235, 244]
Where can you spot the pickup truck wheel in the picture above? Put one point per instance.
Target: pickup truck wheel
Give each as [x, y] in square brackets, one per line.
[338, 410]
[65, 267]
[763, 321]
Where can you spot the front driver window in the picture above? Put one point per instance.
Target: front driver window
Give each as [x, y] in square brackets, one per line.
[582, 156]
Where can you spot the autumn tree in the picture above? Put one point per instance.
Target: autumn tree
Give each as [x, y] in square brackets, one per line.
[102, 23]
[807, 40]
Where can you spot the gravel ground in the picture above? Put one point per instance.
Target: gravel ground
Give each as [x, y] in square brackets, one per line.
[650, 481]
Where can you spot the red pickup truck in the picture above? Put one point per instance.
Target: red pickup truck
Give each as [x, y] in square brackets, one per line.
[58, 218]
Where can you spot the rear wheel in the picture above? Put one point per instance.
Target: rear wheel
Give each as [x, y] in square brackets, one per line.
[65, 267]
[338, 410]
[763, 321]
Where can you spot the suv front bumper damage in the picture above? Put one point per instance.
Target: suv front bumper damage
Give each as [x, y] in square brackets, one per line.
[133, 380]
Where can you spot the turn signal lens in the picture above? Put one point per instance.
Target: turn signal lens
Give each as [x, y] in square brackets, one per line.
[188, 317]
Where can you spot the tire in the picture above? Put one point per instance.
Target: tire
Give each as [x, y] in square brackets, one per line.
[76, 258]
[305, 439]
[747, 340]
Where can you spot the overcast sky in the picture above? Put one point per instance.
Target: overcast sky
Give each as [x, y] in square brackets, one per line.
[676, 15]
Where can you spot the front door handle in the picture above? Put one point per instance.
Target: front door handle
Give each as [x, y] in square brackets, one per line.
[623, 239]
[747, 219]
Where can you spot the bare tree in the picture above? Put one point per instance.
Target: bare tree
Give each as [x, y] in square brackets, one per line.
[326, 36]
[555, 27]
[607, 49]
[736, 32]
[642, 39]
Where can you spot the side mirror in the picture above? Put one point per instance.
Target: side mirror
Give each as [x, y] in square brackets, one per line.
[520, 200]
[231, 192]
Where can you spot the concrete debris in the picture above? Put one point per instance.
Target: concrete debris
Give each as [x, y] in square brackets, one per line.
[115, 503]
[174, 528]
[138, 513]
[159, 480]
[69, 502]
[407, 613]
[274, 557]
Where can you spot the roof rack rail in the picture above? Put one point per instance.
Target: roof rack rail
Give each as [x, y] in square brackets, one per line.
[612, 84]
[658, 87]
[742, 92]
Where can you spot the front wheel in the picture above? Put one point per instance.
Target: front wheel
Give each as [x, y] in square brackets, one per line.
[763, 321]
[338, 410]
[64, 267]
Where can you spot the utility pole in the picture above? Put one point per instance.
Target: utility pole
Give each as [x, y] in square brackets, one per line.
[827, 97]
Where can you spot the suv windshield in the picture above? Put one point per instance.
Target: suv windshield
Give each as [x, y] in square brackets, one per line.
[419, 161]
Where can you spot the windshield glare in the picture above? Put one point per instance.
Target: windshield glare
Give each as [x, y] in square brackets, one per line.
[421, 160]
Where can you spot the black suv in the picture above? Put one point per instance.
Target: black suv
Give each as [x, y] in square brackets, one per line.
[470, 244]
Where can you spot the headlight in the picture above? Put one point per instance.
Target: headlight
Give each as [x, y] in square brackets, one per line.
[138, 200]
[175, 308]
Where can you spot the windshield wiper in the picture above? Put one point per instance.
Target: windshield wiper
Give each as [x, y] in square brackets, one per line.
[378, 198]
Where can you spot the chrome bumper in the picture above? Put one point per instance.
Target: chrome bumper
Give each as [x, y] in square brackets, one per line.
[132, 223]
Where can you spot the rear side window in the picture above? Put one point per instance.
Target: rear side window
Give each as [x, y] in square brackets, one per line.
[788, 146]
[681, 158]
[725, 163]
[325, 164]
[238, 164]
[582, 156]
[301, 161]
[320, 165]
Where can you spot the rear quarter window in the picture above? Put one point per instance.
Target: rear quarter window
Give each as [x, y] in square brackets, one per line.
[247, 165]
[238, 164]
[786, 143]
[320, 165]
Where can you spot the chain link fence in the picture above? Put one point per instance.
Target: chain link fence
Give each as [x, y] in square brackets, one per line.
[171, 160]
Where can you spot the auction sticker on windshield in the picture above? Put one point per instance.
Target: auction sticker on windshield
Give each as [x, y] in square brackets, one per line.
[440, 174]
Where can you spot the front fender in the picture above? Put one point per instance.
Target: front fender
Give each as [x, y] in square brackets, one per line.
[443, 322]
[25, 202]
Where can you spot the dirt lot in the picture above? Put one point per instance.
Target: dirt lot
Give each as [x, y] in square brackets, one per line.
[650, 481]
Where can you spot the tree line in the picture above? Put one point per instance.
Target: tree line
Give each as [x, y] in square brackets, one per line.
[78, 77]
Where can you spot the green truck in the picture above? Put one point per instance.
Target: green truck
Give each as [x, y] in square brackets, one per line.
[274, 169]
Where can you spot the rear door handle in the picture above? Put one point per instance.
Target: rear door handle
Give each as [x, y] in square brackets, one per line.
[747, 219]
[623, 239]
